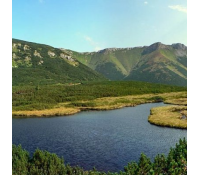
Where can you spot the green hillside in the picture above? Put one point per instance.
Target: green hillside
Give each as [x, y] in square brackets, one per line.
[34, 64]
[157, 63]
[163, 64]
[113, 63]
[41, 64]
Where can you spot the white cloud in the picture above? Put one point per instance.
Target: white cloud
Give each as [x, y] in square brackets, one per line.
[92, 43]
[178, 7]
[145, 2]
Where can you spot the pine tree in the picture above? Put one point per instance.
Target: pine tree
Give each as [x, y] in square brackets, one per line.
[144, 165]
[160, 165]
[131, 168]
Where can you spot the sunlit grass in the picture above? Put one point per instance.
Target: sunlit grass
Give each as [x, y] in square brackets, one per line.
[47, 112]
[170, 116]
[105, 103]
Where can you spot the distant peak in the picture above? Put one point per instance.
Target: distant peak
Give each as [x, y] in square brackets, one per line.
[116, 49]
[179, 46]
[158, 45]
[154, 47]
[109, 50]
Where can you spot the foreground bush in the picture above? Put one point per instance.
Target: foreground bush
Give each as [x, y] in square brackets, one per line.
[45, 163]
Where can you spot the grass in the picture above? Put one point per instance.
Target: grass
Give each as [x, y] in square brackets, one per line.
[49, 96]
[67, 99]
[178, 101]
[170, 116]
[105, 103]
[46, 113]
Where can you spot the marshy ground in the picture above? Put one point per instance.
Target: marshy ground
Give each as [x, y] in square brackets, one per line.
[174, 115]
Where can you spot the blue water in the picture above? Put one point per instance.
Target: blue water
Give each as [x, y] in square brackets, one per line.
[107, 140]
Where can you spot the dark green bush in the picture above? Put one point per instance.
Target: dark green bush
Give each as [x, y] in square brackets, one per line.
[20, 160]
[45, 163]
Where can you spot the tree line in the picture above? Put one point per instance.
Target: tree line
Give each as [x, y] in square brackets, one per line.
[46, 96]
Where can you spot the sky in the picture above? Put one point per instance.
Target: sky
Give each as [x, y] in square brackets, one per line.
[92, 25]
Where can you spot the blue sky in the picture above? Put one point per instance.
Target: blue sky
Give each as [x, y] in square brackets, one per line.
[91, 25]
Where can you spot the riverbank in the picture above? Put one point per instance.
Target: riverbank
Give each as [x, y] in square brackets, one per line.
[61, 111]
[159, 116]
[169, 116]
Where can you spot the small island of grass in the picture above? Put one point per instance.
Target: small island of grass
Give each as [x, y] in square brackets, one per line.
[170, 116]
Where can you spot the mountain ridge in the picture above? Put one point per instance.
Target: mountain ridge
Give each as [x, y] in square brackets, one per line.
[157, 63]
[34, 63]
[125, 63]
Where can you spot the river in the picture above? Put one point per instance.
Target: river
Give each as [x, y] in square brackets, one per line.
[107, 140]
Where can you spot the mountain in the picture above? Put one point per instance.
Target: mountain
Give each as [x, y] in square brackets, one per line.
[158, 63]
[162, 63]
[42, 64]
[34, 63]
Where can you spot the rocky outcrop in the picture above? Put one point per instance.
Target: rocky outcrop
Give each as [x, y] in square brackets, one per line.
[40, 62]
[51, 54]
[37, 54]
[179, 46]
[14, 56]
[68, 57]
[154, 47]
[16, 45]
[26, 47]
[27, 58]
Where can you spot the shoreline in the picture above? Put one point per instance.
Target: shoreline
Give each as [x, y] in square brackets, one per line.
[111, 103]
[45, 113]
[168, 126]
[42, 114]
[169, 116]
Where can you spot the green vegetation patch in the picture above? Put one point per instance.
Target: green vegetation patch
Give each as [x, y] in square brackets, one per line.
[49, 96]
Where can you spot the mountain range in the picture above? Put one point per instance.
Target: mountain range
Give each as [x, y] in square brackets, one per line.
[158, 63]
[41, 64]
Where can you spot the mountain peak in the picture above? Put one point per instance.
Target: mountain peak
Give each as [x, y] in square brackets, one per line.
[154, 47]
[179, 46]
[109, 50]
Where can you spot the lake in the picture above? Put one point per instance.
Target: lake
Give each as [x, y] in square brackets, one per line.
[107, 140]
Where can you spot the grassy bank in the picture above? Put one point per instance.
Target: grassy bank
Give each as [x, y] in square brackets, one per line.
[170, 116]
[50, 96]
[46, 112]
[59, 100]
[105, 103]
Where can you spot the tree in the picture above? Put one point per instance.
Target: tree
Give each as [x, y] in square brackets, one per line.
[20, 158]
[144, 165]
